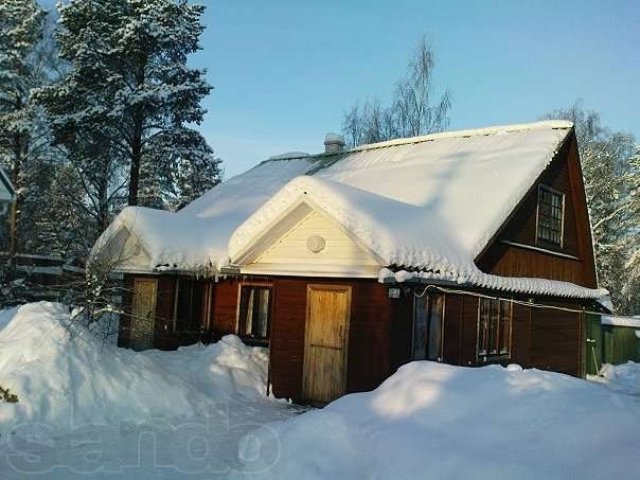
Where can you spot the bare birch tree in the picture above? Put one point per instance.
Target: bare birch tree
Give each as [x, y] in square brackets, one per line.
[414, 109]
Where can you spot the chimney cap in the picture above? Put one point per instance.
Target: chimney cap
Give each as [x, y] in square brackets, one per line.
[333, 143]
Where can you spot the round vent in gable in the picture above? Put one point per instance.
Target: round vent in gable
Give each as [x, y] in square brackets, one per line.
[315, 243]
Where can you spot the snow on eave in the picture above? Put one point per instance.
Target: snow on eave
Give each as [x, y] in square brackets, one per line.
[620, 321]
[524, 285]
[476, 132]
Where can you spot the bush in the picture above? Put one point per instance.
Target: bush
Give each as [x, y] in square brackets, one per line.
[6, 396]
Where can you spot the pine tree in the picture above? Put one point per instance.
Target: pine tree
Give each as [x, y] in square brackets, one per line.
[130, 90]
[21, 135]
[179, 176]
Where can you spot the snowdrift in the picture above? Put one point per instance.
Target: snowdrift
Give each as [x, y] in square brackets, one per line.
[65, 376]
[437, 421]
[623, 378]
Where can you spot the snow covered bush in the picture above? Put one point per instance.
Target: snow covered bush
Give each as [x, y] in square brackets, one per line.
[6, 396]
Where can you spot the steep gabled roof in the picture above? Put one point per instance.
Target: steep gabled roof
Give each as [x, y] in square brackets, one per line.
[427, 203]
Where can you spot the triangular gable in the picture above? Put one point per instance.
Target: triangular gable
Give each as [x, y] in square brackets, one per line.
[515, 250]
[307, 241]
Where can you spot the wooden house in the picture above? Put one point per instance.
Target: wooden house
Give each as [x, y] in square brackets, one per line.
[468, 247]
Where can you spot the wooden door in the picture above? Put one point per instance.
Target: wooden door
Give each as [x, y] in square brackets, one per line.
[143, 312]
[326, 342]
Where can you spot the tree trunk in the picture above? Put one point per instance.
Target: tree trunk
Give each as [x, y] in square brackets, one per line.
[15, 208]
[136, 141]
[136, 160]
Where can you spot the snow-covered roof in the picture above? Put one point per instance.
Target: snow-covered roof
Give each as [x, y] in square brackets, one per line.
[428, 204]
[197, 236]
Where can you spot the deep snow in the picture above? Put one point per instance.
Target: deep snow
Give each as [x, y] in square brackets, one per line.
[437, 421]
[90, 410]
[621, 378]
[86, 407]
[65, 376]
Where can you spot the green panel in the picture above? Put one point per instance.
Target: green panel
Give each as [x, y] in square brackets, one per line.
[620, 344]
[593, 344]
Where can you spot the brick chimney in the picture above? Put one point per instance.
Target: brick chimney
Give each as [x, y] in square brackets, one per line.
[333, 143]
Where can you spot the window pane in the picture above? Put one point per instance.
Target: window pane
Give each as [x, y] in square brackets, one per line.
[248, 321]
[550, 216]
[435, 327]
[505, 325]
[483, 327]
[494, 327]
[254, 313]
[493, 319]
[420, 328]
[260, 313]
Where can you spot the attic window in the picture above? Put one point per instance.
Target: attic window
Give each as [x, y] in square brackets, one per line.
[550, 219]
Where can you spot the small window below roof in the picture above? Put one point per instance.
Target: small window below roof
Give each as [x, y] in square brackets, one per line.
[550, 217]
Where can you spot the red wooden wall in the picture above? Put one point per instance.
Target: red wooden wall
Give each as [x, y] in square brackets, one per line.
[543, 338]
[379, 334]
[380, 330]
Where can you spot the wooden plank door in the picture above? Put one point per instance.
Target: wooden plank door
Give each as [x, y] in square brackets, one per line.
[143, 312]
[326, 342]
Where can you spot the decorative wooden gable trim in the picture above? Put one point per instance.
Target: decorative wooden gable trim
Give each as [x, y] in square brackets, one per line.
[306, 241]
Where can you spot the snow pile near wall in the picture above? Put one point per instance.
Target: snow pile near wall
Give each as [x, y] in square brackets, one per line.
[437, 421]
[622, 378]
[65, 377]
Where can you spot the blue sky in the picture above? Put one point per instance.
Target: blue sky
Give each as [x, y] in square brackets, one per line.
[285, 71]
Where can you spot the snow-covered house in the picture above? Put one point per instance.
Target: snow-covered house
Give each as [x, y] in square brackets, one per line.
[464, 247]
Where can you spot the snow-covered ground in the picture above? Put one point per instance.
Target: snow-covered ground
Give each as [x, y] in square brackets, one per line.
[437, 421]
[90, 410]
[623, 378]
